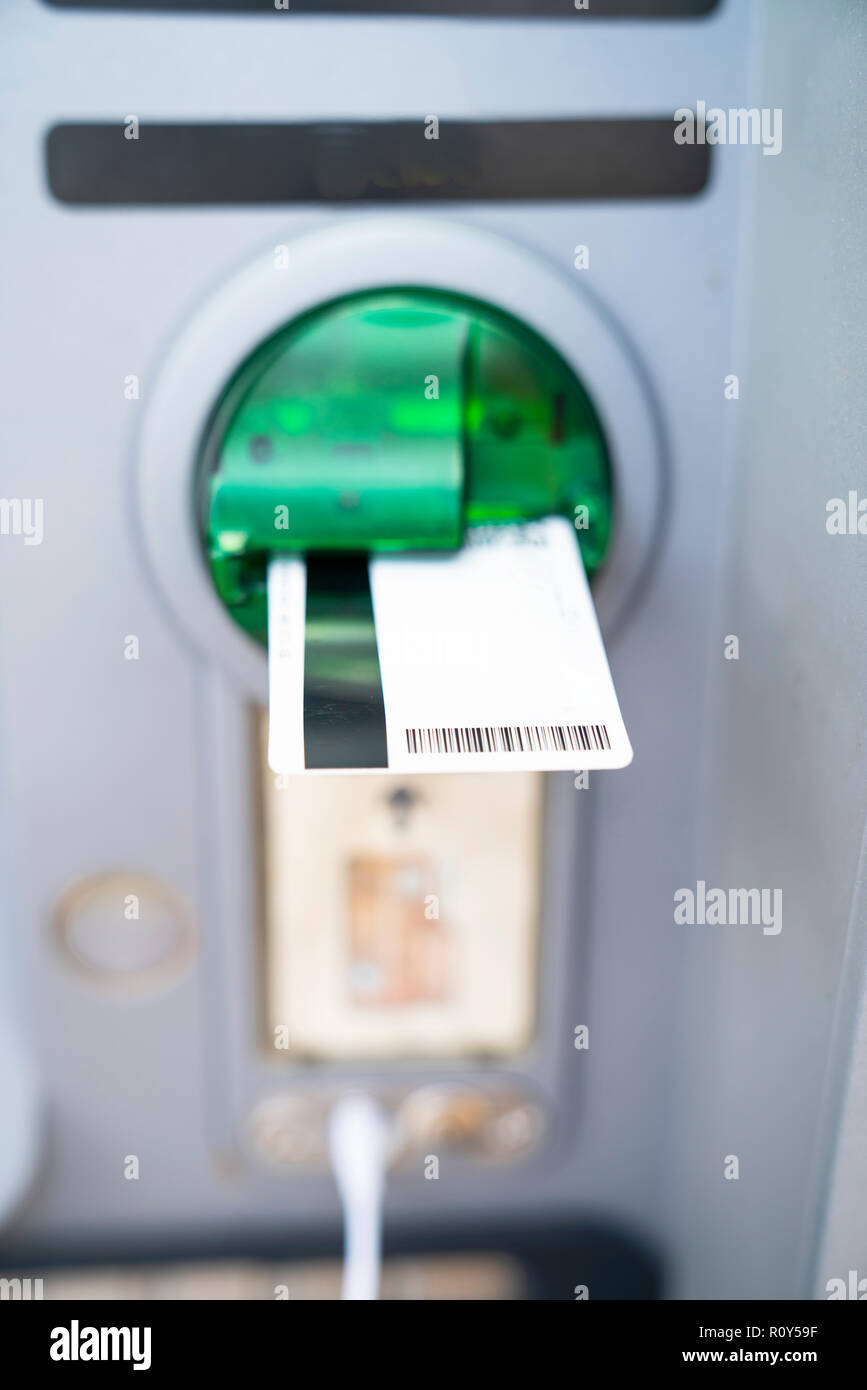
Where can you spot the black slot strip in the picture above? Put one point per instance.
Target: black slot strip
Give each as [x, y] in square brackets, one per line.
[344, 713]
[378, 161]
[493, 9]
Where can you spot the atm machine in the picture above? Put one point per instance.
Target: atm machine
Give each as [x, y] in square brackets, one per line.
[392, 272]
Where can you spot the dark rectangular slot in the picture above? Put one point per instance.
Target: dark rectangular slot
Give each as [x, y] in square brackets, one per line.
[494, 9]
[380, 162]
[344, 713]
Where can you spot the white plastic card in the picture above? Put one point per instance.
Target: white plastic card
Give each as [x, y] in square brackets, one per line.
[287, 599]
[490, 658]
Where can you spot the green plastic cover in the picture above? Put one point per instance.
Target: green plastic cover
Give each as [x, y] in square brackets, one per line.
[392, 420]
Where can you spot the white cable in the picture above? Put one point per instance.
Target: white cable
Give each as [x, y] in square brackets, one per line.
[358, 1142]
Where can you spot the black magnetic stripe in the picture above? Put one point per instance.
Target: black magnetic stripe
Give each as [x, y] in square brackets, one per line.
[340, 162]
[344, 713]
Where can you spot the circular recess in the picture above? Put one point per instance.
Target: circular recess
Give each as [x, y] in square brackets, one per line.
[290, 1131]
[345, 258]
[487, 1124]
[125, 933]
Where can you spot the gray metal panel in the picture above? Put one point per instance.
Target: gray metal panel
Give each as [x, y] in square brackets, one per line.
[787, 790]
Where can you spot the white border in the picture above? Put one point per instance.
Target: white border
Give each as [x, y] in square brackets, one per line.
[340, 259]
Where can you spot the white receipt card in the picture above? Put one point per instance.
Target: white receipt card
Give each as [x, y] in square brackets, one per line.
[491, 658]
[287, 600]
[488, 658]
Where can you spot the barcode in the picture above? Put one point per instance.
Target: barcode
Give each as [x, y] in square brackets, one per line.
[524, 738]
